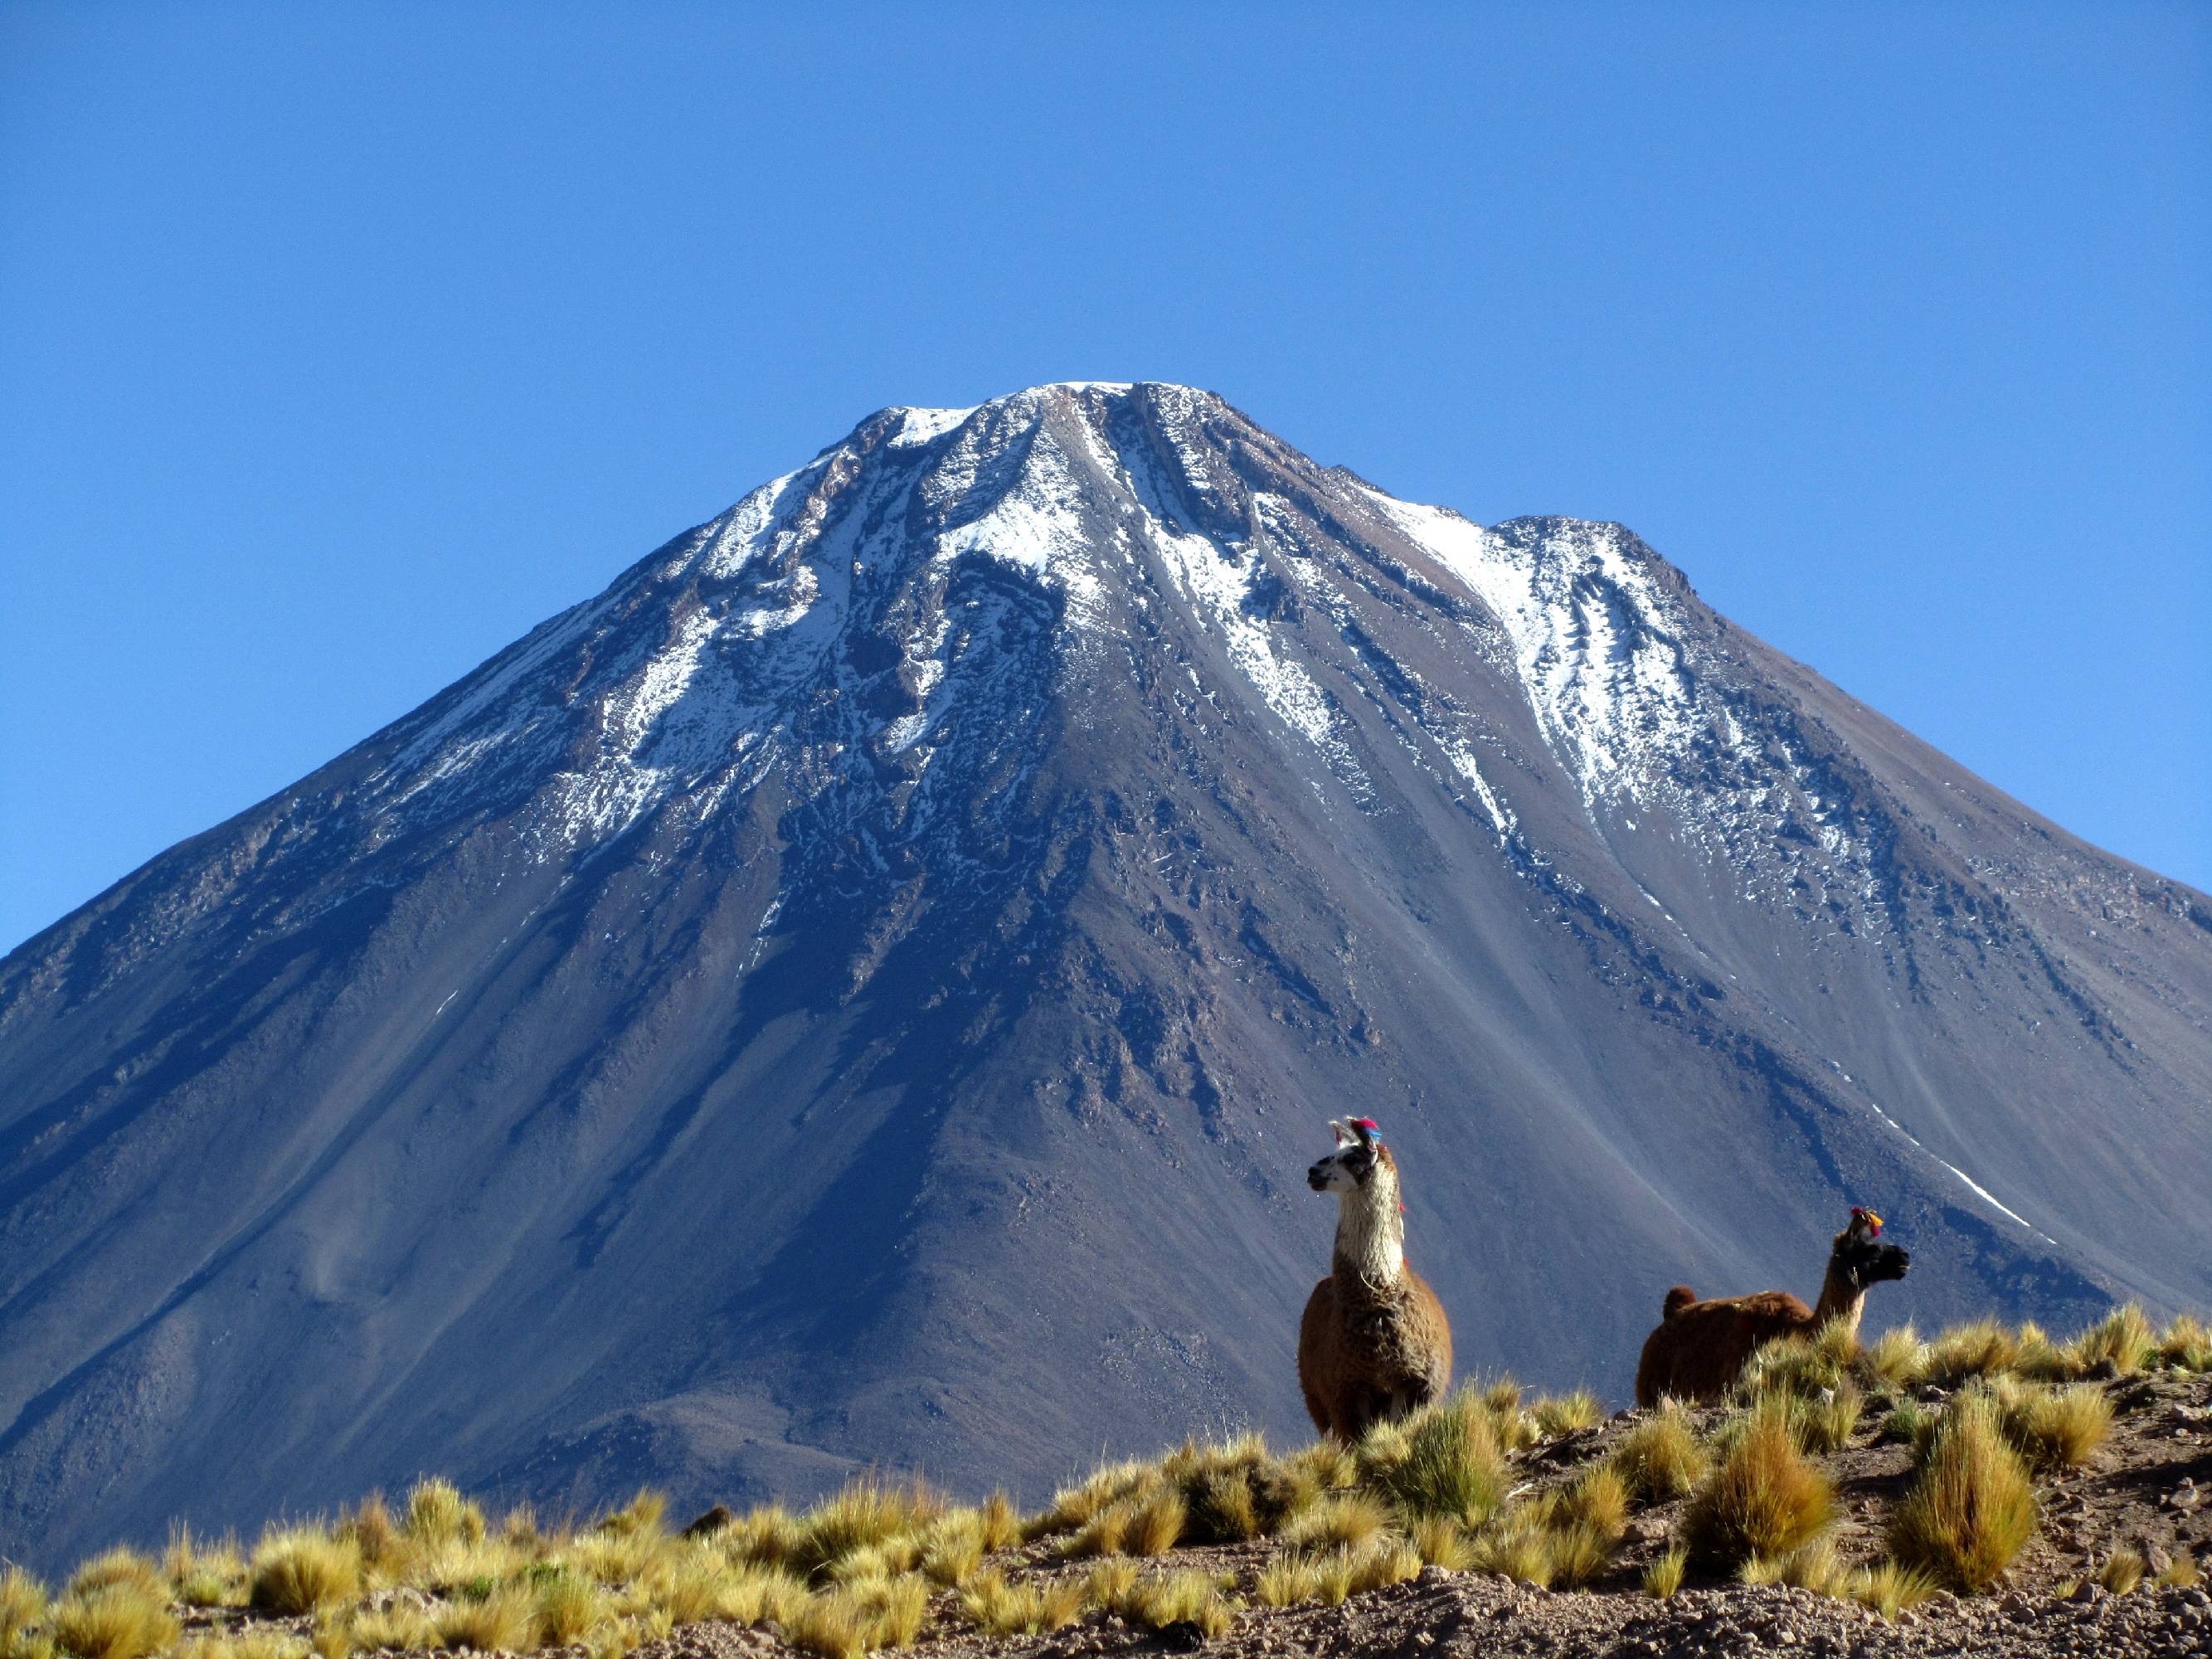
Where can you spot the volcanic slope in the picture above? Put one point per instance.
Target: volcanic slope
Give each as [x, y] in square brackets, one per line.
[865, 987]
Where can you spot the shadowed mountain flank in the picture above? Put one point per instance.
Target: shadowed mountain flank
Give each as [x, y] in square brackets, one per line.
[866, 987]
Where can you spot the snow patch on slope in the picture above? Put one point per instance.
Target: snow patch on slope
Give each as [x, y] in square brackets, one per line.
[1594, 643]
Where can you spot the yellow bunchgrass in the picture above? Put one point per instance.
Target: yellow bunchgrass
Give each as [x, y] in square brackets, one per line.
[2053, 1428]
[1517, 1545]
[1983, 1347]
[2181, 1572]
[2185, 1345]
[953, 1549]
[1000, 1609]
[1817, 1567]
[1348, 1520]
[2123, 1339]
[438, 1514]
[1896, 1358]
[299, 1569]
[1192, 1598]
[117, 1619]
[1558, 1414]
[1156, 1521]
[1971, 1510]
[1764, 1498]
[1664, 1576]
[1890, 1587]
[23, 1605]
[1076, 1506]
[119, 1567]
[1660, 1458]
[569, 1605]
[643, 1515]
[505, 1620]
[999, 1522]
[1597, 1498]
[1443, 1461]
[398, 1628]
[2122, 1570]
[372, 1530]
[1441, 1543]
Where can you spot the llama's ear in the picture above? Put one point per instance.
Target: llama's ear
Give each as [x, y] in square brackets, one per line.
[1343, 1135]
[1364, 1127]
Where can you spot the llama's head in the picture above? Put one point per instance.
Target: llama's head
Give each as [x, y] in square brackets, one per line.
[1860, 1256]
[1359, 1153]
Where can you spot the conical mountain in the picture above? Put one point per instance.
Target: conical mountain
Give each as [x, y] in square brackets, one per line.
[863, 990]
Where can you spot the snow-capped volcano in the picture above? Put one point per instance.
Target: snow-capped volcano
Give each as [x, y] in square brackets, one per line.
[863, 989]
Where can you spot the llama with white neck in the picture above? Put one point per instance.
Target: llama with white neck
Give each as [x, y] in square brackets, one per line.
[1374, 1343]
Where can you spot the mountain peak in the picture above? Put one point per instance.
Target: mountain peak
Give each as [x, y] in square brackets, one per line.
[863, 988]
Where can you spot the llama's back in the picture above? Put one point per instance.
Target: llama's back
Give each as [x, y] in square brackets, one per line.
[1699, 1348]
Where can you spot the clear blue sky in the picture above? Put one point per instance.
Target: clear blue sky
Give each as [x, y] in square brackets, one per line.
[340, 344]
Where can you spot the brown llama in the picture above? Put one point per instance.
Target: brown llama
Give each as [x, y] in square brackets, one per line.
[1374, 1343]
[1700, 1348]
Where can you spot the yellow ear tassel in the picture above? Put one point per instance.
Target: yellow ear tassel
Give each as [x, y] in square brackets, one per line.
[1876, 1219]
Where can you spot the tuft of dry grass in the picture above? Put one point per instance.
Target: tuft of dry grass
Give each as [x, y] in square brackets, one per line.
[438, 1514]
[1517, 1545]
[303, 1569]
[1558, 1414]
[1440, 1543]
[1664, 1576]
[117, 1619]
[1971, 1511]
[1896, 1358]
[398, 1628]
[2122, 1570]
[2185, 1345]
[23, 1605]
[1764, 1498]
[999, 1609]
[1827, 1423]
[567, 1606]
[1076, 1506]
[504, 1621]
[2123, 1339]
[1597, 1498]
[1179, 1598]
[119, 1568]
[1443, 1460]
[2182, 1572]
[865, 1513]
[1660, 1458]
[644, 1516]
[1817, 1567]
[953, 1551]
[1983, 1347]
[1000, 1523]
[1157, 1522]
[372, 1530]
[1106, 1533]
[1348, 1520]
[2053, 1428]
[1889, 1588]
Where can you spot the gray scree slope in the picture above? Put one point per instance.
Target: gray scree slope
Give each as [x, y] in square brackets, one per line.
[864, 988]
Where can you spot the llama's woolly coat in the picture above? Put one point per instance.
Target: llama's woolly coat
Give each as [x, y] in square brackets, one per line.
[1700, 1348]
[1374, 1342]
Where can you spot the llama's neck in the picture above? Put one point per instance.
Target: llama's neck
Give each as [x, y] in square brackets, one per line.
[1371, 1230]
[1841, 1302]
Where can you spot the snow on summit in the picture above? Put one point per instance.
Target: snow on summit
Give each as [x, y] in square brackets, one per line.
[1096, 510]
